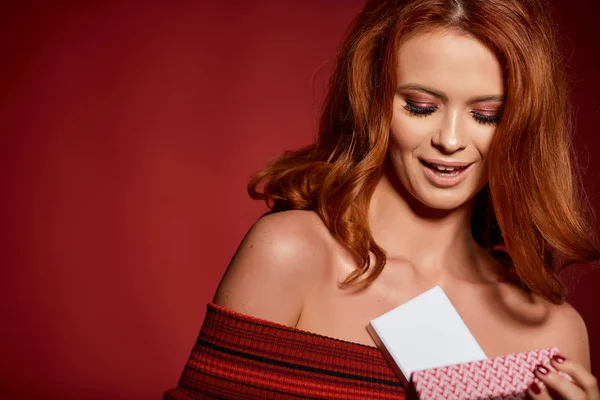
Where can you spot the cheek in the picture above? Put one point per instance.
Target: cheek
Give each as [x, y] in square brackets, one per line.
[482, 140]
[408, 133]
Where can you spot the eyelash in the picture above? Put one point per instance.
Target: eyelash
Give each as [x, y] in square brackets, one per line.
[425, 111]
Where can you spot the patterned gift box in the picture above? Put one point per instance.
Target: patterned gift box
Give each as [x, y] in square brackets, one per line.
[506, 377]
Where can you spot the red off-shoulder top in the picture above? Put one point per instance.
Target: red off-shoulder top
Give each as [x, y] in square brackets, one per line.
[241, 357]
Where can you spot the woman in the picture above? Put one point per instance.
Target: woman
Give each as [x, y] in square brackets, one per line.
[444, 136]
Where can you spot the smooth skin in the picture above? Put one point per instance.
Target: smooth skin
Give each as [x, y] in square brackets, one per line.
[447, 105]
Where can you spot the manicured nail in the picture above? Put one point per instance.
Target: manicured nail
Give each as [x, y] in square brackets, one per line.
[558, 358]
[542, 370]
[535, 388]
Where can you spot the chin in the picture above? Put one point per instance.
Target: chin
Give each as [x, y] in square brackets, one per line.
[447, 204]
[444, 199]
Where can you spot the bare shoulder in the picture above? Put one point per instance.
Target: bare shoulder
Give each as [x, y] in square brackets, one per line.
[536, 322]
[274, 267]
[567, 329]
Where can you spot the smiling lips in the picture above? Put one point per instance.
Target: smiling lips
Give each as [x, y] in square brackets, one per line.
[445, 173]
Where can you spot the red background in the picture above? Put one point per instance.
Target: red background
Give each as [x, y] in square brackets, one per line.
[127, 136]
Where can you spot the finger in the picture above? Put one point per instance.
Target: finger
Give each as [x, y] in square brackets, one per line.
[558, 384]
[537, 393]
[581, 376]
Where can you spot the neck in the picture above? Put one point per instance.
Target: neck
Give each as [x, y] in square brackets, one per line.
[433, 241]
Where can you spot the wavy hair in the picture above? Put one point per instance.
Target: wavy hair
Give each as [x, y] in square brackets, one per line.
[533, 202]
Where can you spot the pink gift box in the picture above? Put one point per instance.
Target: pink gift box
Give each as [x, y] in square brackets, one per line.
[506, 377]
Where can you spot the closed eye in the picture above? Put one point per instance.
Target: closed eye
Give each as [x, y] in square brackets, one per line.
[419, 111]
[424, 111]
[486, 119]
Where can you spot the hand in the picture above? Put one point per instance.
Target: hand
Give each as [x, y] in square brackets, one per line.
[583, 387]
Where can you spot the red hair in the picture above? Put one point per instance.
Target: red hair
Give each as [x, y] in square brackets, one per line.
[532, 202]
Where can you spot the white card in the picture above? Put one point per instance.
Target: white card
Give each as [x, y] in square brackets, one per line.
[425, 332]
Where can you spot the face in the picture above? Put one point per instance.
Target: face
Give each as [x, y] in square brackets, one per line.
[447, 105]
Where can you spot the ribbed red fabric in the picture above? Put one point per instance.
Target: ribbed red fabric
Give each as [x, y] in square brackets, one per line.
[241, 357]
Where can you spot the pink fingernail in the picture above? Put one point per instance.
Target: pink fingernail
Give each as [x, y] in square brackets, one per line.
[542, 370]
[559, 359]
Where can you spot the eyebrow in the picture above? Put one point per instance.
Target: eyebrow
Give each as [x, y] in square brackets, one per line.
[443, 97]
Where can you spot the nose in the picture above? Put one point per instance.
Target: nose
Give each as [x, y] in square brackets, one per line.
[449, 138]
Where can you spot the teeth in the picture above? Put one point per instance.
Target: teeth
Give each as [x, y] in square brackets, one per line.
[445, 170]
[440, 168]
